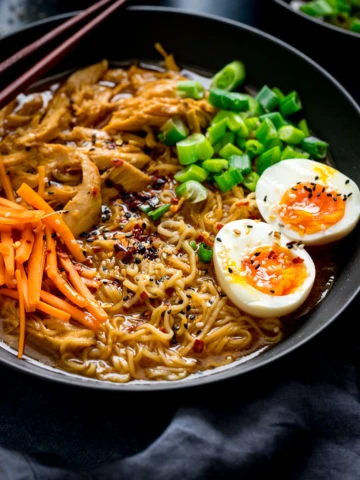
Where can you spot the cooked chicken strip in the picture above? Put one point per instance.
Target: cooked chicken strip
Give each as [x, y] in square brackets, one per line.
[85, 76]
[84, 208]
[56, 118]
[129, 177]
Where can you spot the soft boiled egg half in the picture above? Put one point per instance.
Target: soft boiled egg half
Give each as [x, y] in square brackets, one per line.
[308, 201]
[262, 271]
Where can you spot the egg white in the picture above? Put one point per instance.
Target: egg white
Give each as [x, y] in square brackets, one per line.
[232, 243]
[283, 175]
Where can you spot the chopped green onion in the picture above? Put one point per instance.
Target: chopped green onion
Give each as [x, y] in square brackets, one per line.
[253, 147]
[316, 147]
[193, 244]
[233, 101]
[228, 150]
[251, 180]
[145, 207]
[291, 135]
[317, 8]
[293, 152]
[216, 131]
[205, 252]
[191, 89]
[193, 148]
[229, 77]
[252, 123]
[237, 124]
[290, 104]
[277, 119]
[355, 25]
[254, 109]
[267, 99]
[215, 165]
[227, 180]
[173, 131]
[266, 132]
[242, 162]
[268, 158]
[274, 142]
[278, 92]
[158, 212]
[240, 142]
[304, 127]
[192, 191]
[221, 114]
[192, 172]
[229, 137]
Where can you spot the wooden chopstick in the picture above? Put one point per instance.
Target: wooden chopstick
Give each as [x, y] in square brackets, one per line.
[63, 27]
[52, 58]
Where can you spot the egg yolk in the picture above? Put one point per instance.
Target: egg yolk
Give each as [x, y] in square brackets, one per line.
[274, 270]
[310, 207]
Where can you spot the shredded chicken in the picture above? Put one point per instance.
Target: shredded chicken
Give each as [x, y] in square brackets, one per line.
[83, 210]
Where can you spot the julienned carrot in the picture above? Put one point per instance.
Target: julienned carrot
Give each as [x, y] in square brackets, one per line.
[42, 306]
[21, 315]
[22, 253]
[54, 312]
[54, 274]
[82, 317]
[29, 215]
[13, 205]
[9, 192]
[2, 270]
[14, 222]
[24, 285]
[94, 308]
[53, 220]
[41, 181]
[91, 282]
[36, 265]
[9, 259]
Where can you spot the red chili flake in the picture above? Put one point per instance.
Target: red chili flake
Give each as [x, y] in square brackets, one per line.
[144, 295]
[272, 255]
[219, 226]
[174, 201]
[200, 238]
[117, 162]
[298, 260]
[96, 249]
[169, 291]
[198, 346]
[163, 330]
[95, 191]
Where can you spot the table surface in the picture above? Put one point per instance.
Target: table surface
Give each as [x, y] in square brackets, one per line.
[81, 433]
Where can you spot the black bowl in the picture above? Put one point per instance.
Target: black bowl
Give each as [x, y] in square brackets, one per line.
[206, 43]
[336, 49]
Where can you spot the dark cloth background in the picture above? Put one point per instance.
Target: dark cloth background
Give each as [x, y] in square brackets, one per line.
[297, 418]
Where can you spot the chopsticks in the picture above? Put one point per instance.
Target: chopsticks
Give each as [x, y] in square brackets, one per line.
[53, 57]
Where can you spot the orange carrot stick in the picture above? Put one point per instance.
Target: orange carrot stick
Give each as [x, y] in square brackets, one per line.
[94, 308]
[9, 192]
[82, 317]
[36, 265]
[41, 182]
[28, 215]
[53, 220]
[2, 270]
[21, 316]
[53, 312]
[53, 273]
[9, 258]
[42, 306]
[24, 285]
[4, 202]
[22, 253]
